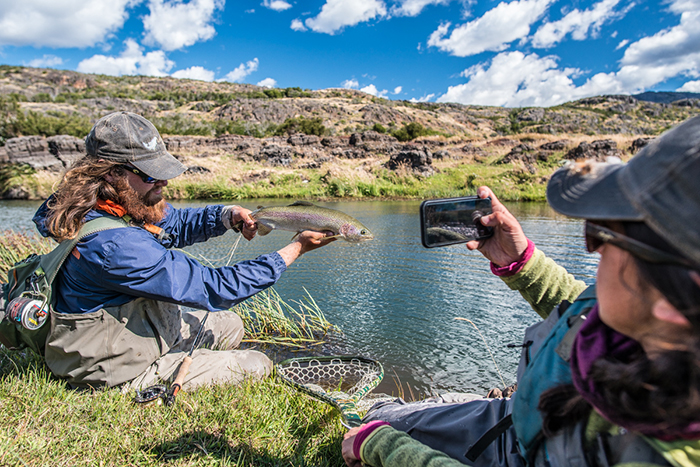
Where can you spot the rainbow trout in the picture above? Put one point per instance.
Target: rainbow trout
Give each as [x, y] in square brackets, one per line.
[303, 215]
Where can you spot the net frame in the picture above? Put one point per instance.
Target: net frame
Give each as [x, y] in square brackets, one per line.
[341, 381]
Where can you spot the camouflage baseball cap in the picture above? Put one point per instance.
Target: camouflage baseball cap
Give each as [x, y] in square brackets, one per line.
[659, 186]
[130, 138]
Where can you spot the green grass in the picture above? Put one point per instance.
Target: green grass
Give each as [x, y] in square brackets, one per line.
[256, 423]
[512, 184]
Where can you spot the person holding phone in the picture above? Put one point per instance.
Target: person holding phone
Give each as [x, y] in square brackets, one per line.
[611, 376]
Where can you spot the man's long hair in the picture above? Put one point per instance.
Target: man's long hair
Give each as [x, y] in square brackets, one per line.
[81, 188]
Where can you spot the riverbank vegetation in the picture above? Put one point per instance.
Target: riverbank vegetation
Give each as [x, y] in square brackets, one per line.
[226, 176]
[257, 423]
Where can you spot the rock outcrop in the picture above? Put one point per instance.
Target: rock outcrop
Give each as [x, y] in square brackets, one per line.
[597, 150]
[53, 153]
[419, 160]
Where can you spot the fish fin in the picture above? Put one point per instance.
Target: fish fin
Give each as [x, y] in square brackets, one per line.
[295, 236]
[261, 207]
[263, 229]
[336, 236]
[302, 203]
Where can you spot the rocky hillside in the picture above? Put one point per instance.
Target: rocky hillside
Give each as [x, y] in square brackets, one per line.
[45, 114]
[198, 107]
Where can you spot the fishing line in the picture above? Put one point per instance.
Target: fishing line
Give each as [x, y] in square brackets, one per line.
[487, 348]
[233, 249]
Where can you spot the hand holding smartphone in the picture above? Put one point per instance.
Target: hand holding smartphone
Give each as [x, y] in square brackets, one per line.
[450, 221]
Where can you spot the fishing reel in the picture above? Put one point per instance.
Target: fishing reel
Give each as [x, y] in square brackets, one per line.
[153, 394]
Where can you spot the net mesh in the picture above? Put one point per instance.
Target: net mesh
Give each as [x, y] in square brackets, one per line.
[342, 378]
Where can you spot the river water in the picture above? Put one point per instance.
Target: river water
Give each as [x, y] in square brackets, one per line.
[396, 301]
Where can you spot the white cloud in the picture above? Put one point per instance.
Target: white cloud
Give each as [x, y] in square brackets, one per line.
[425, 98]
[131, 61]
[194, 72]
[670, 46]
[65, 23]
[268, 83]
[622, 43]
[690, 86]
[372, 89]
[414, 7]
[669, 53]
[336, 14]
[297, 25]
[493, 31]
[514, 79]
[277, 5]
[243, 70]
[350, 84]
[45, 61]
[577, 23]
[173, 24]
[398, 89]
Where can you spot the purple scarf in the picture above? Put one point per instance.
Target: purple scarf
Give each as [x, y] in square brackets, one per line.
[596, 340]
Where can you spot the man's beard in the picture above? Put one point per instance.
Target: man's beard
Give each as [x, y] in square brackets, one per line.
[149, 209]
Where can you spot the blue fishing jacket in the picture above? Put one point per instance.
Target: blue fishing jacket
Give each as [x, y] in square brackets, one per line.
[113, 267]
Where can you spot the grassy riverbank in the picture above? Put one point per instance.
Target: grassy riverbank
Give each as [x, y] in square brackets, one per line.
[258, 423]
[226, 177]
[261, 423]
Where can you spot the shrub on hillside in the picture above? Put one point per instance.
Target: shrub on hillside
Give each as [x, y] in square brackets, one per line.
[36, 123]
[379, 128]
[308, 126]
[179, 125]
[411, 131]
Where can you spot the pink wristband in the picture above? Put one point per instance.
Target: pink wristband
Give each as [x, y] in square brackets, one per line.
[362, 435]
[516, 266]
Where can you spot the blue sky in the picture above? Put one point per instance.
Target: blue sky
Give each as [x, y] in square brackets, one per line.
[509, 53]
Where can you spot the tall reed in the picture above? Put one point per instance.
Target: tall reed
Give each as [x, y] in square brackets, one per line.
[15, 246]
[268, 319]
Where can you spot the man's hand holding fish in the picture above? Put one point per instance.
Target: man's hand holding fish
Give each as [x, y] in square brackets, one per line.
[306, 241]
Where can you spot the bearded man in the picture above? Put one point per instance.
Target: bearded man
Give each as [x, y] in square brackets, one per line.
[117, 320]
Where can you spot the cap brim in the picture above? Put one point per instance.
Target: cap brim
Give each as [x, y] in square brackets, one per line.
[162, 167]
[590, 191]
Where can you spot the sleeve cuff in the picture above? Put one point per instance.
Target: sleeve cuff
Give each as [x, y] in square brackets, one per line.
[363, 434]
[277, 261]
[516, 266]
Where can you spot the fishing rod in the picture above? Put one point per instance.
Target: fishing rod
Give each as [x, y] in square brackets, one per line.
[157, 391]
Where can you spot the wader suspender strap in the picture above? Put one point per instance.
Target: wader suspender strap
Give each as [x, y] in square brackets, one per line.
[489, 437]
[567, 343]
[88, 228]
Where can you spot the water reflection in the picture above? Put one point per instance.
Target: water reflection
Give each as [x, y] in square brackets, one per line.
[397, 301]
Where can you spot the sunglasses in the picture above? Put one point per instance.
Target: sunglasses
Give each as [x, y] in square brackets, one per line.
[597, 235]
[137, 172]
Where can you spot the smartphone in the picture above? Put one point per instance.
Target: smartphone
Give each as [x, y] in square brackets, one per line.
[453, 220]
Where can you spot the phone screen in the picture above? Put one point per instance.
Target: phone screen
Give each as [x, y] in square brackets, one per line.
[453, 220]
